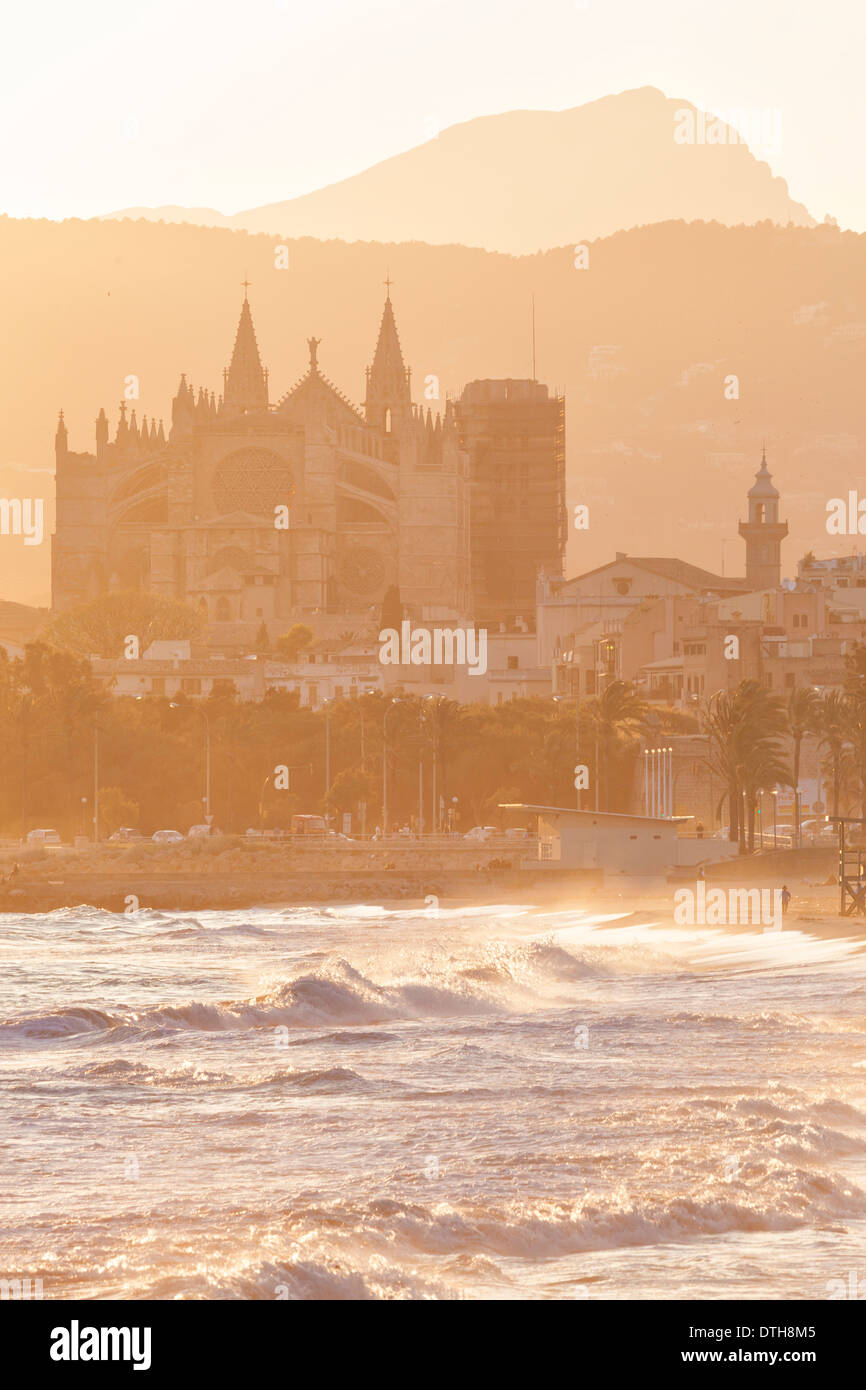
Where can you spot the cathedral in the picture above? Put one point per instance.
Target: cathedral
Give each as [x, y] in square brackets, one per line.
[258, 513]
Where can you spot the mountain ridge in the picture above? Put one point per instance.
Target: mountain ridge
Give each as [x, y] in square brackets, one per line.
[497, 182]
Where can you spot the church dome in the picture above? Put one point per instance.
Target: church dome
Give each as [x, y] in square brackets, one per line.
[763, 488]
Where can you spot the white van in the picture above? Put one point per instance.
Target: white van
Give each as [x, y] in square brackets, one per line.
[43, 837]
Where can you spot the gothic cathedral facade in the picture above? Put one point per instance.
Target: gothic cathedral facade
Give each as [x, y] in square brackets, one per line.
[257, 513]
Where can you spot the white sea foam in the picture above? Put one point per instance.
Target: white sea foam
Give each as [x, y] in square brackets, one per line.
[356, 1102]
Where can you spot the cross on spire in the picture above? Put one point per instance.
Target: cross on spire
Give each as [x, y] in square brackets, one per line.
[246, 284]
[388, 282]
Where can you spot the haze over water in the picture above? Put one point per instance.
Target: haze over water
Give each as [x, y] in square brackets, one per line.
[496, 1102]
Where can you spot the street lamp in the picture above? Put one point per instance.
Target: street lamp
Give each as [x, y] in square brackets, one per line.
[262, 801]
[327, 707]
[775, 809]
[368, 691]
[760, 818]
[388, 709]
[436, 701]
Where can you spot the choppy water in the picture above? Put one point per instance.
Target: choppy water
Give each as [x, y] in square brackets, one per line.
[497, 1102]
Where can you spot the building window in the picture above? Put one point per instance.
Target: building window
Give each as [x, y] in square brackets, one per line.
[512, 663]
[191, 685]
[157, 685]
[312, 695]
[223, 611]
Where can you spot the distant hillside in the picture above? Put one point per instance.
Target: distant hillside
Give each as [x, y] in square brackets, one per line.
[526, 181]
[641, 342]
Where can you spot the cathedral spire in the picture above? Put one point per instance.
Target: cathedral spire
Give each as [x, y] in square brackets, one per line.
[389, 394]
[101, 432]
[245, 382]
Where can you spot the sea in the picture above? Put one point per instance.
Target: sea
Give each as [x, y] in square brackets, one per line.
[489, 1102]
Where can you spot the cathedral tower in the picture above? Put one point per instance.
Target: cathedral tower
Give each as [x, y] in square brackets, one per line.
[245, 382]
[388, 406]
[763, 532]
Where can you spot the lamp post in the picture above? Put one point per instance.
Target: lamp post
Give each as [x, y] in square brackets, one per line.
[421, 769]
[368, 691]
[760, 818]
[262, 801]
[327, 708]
[388, 709]
[435, 701]
[775, 809]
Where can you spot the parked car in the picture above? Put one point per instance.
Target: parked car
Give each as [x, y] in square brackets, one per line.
[517, 832]
[43, 837]
[819, 832]
[481, 832]
[125, 835]
[199, 832]
[167, 837]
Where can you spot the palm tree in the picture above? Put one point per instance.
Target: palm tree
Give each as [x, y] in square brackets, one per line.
[804, 717]
[618, 715]
[834, 719]
[720, 719]
[745, 730]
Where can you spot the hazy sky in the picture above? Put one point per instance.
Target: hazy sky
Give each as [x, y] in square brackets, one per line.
[232, 105]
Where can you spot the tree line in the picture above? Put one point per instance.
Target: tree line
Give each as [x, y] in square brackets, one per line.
[61, 729]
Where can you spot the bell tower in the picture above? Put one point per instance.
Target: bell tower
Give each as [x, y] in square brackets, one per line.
[763, 532]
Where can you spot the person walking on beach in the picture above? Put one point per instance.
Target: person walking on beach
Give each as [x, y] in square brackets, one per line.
[786, 898]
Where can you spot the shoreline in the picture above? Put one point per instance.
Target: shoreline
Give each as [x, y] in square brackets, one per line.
[813, 911]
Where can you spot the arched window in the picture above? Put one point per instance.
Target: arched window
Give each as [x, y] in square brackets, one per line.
[223, 610]
[388, 420]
